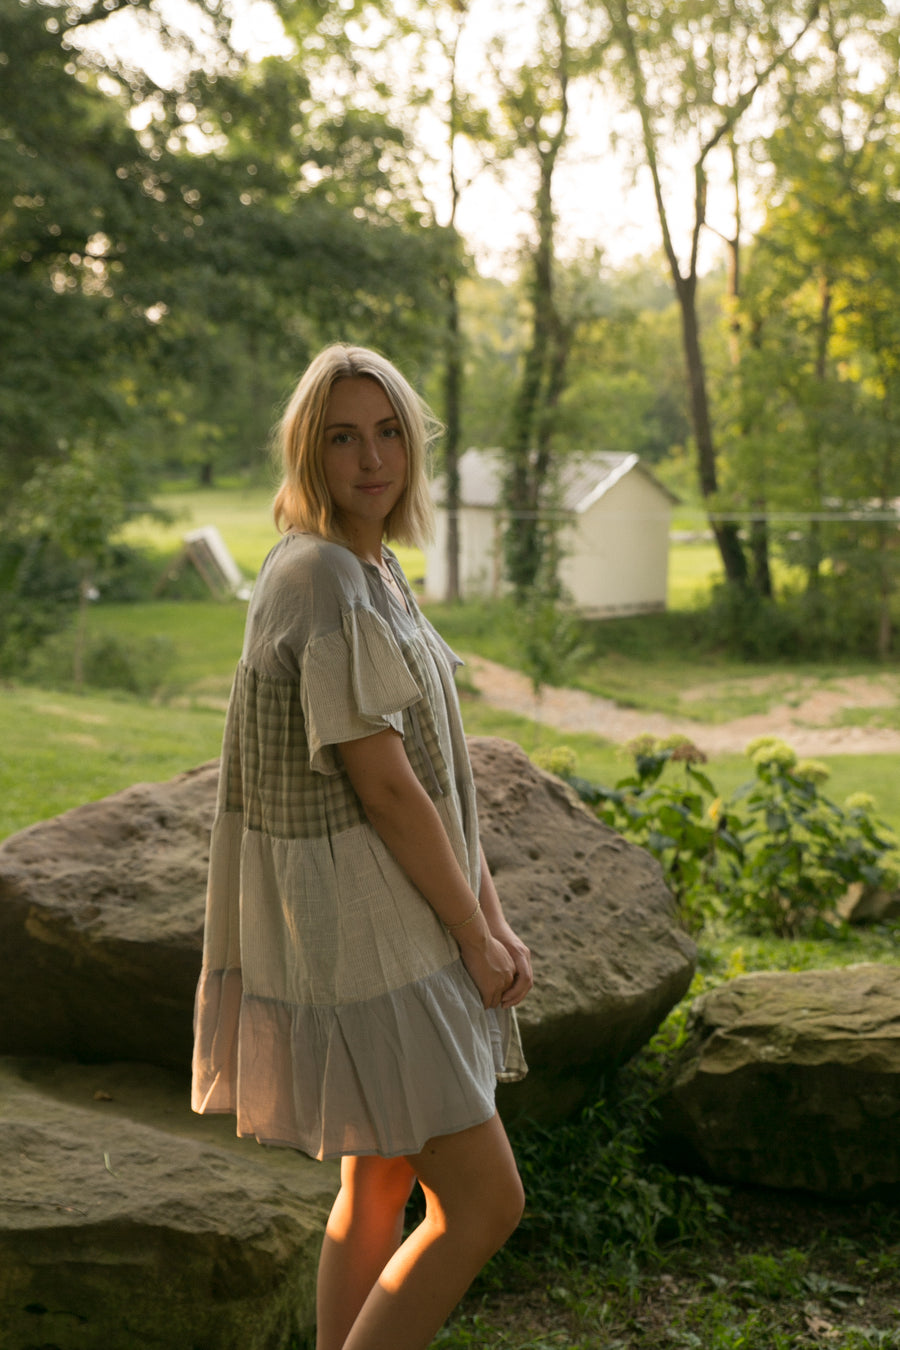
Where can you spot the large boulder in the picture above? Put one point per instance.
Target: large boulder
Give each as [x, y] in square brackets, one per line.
[101, 915]
[101, 925]
[792, 1080]
[128, 1222]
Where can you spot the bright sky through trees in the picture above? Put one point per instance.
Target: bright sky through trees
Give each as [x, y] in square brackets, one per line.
[601, 201]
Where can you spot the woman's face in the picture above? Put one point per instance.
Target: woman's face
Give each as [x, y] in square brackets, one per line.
[364, 457]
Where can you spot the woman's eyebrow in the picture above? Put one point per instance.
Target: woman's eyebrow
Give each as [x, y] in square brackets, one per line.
[383, 421]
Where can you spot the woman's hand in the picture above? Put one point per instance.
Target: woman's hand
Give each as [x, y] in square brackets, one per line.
[521, 958]
[491, 967]
[500, 929]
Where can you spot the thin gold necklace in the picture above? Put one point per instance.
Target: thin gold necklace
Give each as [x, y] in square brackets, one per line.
[384, 570]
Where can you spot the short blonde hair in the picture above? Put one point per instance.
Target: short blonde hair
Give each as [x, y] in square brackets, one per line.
[303, 501]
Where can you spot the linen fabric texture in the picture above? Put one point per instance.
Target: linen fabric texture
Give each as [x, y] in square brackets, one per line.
[333, 1012]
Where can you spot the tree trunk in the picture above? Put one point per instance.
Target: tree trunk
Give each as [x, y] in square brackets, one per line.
[542, 383]
[453, 360]
[84, 593]
[815, 551]
[725, 531]
[760, 569]
[544, 369]
[759, 552]
[452, 418]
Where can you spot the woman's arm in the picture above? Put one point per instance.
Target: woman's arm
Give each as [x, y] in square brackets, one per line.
[405, 817]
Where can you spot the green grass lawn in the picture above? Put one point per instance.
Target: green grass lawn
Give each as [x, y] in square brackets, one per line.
[60, 750]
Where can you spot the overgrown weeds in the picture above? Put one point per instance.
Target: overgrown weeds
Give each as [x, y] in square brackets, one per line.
[595, 1195]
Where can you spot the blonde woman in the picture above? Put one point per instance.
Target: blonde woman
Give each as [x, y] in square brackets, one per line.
[359, 983]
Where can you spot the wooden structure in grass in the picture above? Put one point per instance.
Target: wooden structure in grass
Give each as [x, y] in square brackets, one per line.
[206, 551]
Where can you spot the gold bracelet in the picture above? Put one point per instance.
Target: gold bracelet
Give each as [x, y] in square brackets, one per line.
[451, 927]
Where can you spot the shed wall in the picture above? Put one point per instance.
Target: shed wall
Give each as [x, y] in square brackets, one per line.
[616, 552]
[479, 564]
[617, 556]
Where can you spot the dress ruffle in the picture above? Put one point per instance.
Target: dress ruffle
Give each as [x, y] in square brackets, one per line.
[355, 682]
[381, 1076]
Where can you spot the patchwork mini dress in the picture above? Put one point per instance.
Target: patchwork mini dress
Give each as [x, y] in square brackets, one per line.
[333, 1013]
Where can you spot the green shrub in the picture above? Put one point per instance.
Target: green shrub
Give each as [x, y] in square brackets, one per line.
[40, 588]
[776, 857]
[39, 585]
[750, 626]
[838, 619]
[801, 850]
[683, 824]
[593, 1191]
[140, 667]
[131, 575]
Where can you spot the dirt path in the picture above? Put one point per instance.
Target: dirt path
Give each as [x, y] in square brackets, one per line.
[807, 727]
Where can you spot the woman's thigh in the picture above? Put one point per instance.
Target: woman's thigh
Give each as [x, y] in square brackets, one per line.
[382, 1181]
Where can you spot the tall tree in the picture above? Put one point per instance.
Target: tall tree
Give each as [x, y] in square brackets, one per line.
[690, 72]
[73, 207]
[535, 100]
[459, 120]
[408, 62]
[306, 231]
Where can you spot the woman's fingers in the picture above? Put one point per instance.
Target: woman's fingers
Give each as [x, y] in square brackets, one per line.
[520, 986]
[492, 968]
[523, 979]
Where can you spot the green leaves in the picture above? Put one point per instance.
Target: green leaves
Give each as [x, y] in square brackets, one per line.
[776, 858]
[160, 281]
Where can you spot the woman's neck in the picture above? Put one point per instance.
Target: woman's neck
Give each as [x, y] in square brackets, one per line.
[366, 545]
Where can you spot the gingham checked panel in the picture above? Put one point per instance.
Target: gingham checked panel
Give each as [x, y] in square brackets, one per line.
[266, 773]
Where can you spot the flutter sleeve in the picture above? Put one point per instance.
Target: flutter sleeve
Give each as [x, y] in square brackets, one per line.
[354, 683]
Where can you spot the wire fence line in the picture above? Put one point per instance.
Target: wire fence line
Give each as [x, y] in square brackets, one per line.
[859, 517]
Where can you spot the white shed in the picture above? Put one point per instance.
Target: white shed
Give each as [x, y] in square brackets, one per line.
[615, 538]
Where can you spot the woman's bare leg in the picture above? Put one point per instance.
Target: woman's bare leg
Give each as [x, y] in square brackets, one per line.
[363, 1232]
[474, 1201]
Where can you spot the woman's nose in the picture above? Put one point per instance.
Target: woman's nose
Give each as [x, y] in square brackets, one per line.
[370, 456]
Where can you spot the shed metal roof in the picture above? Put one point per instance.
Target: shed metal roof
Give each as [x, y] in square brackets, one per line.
[584, 478]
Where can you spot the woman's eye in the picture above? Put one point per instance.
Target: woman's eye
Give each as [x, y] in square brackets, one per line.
[392, 432]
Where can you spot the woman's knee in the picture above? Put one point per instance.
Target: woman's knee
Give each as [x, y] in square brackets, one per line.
[506, 1208]
[485, 1202]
